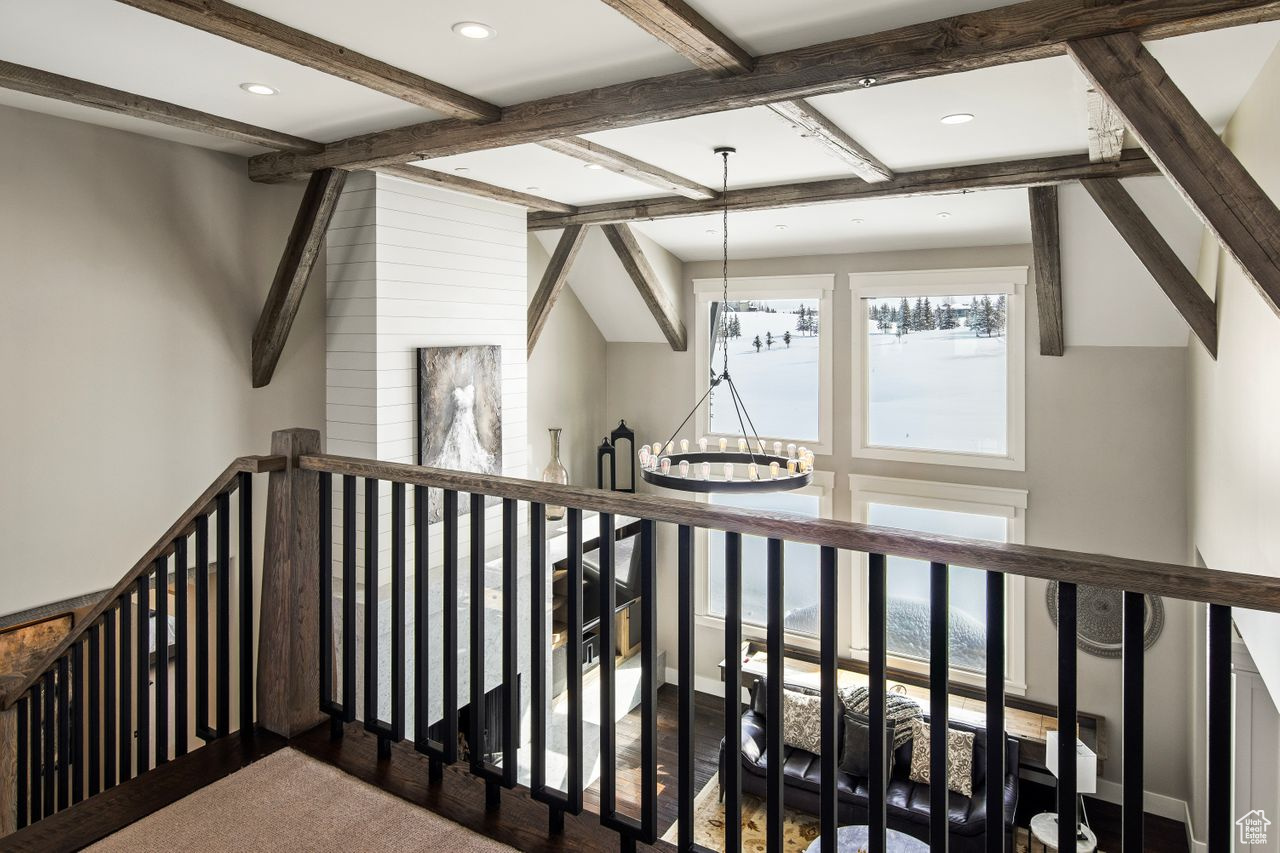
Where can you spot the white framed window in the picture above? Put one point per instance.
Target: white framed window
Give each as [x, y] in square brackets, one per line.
[779, 358]
[939, 366]
[800, 564]
[975, 512]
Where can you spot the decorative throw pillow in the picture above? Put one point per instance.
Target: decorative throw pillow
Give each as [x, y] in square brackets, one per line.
[855, 752]
[802, 721]
[959, 758]
[900, 710]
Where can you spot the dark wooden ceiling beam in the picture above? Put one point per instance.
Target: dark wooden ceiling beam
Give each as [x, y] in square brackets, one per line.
[646, 281]
[1106, 129]
[1165, 267]
[432, 178]
[553, 281]
[680, 27]
[1189, 152]
[1031, 30]
[33, 81]
[300, 252]
[812, 124]
[1046, 250]
[615, 161]
[261, 33]
[950, 179]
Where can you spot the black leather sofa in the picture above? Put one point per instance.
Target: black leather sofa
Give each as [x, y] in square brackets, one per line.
[907, 802]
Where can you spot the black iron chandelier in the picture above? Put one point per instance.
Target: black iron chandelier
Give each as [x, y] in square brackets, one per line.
[741, 464]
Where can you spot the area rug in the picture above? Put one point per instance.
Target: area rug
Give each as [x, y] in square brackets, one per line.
[289, 801]
[799, 829]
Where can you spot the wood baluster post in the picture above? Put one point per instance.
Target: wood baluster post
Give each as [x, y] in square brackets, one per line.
[8, 771]
[288, 691]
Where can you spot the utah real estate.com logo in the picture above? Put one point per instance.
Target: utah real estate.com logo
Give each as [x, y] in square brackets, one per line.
[1253, 827]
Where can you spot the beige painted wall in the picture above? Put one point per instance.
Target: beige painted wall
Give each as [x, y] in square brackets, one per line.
[1234, 409]
[1106, 462]
[566, 383]
[134, 270]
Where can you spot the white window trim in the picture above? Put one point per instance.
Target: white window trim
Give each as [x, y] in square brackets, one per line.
[822, 485]
[1010, 504]
[820, 287]
[1011, 281]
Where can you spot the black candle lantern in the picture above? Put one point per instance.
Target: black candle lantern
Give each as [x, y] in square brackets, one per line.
[606, 449]
[625, 433]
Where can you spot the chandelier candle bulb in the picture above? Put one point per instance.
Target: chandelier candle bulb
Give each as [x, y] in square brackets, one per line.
[724, 442]
[760, 447]
[728, 472]
[777, 448]
[684, 445]
[753, 472]
[705, 471]
[702, 444]
[684, 468]
[791, 451]
[742, 445]
[665, 465]
[773, 470]
[671, 447]
[791, 467]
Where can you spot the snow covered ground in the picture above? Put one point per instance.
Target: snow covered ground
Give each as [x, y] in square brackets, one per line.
[779, 384]
[938, 390]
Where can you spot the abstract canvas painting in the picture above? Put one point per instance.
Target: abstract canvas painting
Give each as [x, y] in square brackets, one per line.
[459, 412]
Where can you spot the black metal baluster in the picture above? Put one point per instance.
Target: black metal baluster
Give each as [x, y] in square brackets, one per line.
[830, 704]
[110, 722]
[142, 673]
[421, 636]
[182, 647]
[1219, 725]
[996, 744]
[538, 656]
[648, 682]
[63, 757]
[731, 771]
[36, 774]
[476, 731]
[348, 598]
[325, 639]
[124, 661]
[1066, 716]
[397, 610]
[573, 647]
[222, 617]
[203, 729]
[75, 698]
[774, 643]
[162, 661]
[449, 627]
[877, 651]
[607, 607]
[939, 689]
[371, 615]
[1135, 616]
[244, 503]
[49, 765]
[510, 650]
[93, 707]
[23, 767]
[685, 718]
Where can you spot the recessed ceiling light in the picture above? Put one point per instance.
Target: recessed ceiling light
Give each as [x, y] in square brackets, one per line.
[594, 166]
[856, 221]
[533, 189]
[944, 215]
[461, 169]
[957, 118]
[781, 227]
[259, 89]
[712, 231]
[474, 30]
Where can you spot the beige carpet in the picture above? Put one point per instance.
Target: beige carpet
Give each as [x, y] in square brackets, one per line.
[288, 801]
[799, 829]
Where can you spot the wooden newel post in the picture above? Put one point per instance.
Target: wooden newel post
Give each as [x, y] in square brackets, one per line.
[288, 646]
[8, 771]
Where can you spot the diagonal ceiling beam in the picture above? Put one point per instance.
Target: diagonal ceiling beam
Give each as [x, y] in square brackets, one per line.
[1189, 152]
[1165, 267]
[431, 177]
[1106, 129]
[553, 280]
[300, 252]
[646, 281]
[261, 33]
[679, 26]
[948, 179]
[33, 81]
[811, 123]
[1047, 253]
[1031, 30]
[615, 161]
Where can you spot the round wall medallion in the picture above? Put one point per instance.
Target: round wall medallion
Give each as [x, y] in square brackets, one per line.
[1100, 619]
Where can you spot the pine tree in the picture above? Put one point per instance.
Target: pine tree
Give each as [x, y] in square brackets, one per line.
[802, 324]
[768, 339]
[987, 311]
[757, 344]
[735, 327]
[884, 319]
[904, 317]
[930, 319]
[946, 317]
[786, 339]
[1001, 314]
[973, 320]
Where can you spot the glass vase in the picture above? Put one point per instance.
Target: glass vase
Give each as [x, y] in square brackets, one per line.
[555, 472]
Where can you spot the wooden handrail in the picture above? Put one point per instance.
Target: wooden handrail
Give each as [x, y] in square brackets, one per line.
[16, 686]
[1174, 580]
